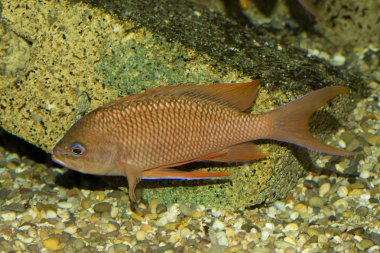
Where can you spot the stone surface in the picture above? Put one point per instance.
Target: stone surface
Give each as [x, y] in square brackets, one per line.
[79, 55]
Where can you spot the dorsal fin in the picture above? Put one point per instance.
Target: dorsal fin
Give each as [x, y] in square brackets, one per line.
[240, 96]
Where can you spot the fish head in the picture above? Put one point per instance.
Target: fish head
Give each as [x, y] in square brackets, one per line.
[86, 148]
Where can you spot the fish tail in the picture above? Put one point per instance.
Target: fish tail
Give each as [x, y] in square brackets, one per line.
[289, 123]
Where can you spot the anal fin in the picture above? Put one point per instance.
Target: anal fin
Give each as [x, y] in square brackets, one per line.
[244, 152]
[170, 173]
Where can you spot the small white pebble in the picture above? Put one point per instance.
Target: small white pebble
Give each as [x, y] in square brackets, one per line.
[24, 239]
[64, 205]
[280, 206]
[25, 228]
[341, 204]
[197, 13]
[325, 188]
[338, 60]
[365, 174]
[216, 213]
[269, 226]
[51, 214]
[170, 216]
[71, 230]
[294, 215]
[365, 197]
[218, 225]
[272, 211]
[186, 232]
[174, 238]
[114, 211]
[162, 221]
[339, 167]
[342, 191]
[375, 248]
[290, 240]
[63, 214]
[291, 227]
[322, 238]
[60, 225]
[230, 232]
[264, 235]
[8, 216]
[140, 235]
[342, 144]
[108, 228]
[358, 238]
[222, 238]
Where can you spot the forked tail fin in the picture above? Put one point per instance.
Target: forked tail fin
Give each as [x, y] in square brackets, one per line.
[289, 123]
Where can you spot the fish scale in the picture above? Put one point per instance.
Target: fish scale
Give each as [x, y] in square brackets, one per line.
[144, 136]
[193, 130]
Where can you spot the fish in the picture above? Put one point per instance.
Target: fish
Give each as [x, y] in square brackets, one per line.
[145, 136]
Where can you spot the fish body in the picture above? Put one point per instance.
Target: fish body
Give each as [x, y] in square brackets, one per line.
[144, 136]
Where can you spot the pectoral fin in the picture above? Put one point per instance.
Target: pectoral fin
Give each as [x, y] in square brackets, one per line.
[132, 183]
[170, 173]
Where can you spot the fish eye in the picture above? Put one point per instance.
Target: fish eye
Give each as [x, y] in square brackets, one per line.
[77, 149]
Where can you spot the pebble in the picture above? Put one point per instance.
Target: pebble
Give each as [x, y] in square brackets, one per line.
[65, 205]
[70, 230]
[338, 59]
[365, 244]
[153, 206]
[108, 227]
[16, 207]
[341, 205]
[316, 202]
[218, 225]
[186, 232]
[120, 247]
[11, 166]
[325, 188]
[362, 211]
[51, 244]
[216, 249]
[186, 210]
[222, 238]
[8, 216]
[374, 249]
[342, 191]
[85, 205]
[291, 227]
[294, 215]
[140, 235]
[102, 207]
[365, 174]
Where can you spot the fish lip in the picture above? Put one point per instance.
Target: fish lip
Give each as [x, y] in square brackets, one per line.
[56, 160]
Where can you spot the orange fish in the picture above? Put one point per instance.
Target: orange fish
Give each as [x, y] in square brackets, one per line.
[144, 136]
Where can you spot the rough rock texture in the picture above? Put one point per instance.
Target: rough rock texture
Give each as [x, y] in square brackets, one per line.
[351, 23]
[76, 56]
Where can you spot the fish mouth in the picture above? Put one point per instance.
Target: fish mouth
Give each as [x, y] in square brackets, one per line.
[56, 156]
[56, 160]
